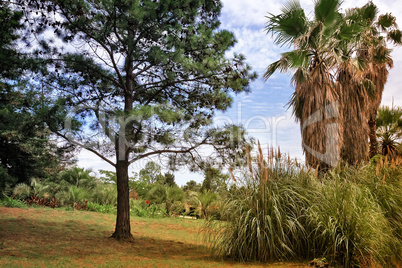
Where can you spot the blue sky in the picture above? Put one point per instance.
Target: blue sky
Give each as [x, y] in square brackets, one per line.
[263, 111]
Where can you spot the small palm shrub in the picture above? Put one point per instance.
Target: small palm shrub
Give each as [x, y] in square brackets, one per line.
[104, 194]
[78, 177]
[174, 200]
[208, 205]
[169, 197]
[72, 196]
[39, 189]
[157, 194]
[21, 191]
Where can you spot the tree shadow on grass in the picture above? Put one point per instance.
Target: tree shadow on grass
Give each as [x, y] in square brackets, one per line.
[54, 240]
[46, 239]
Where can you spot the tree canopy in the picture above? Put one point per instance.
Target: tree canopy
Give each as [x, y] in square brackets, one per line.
[26, 147]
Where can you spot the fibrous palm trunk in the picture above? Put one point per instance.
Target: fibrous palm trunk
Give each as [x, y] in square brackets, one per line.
[377, 72]
[317, 107]
[354, 101]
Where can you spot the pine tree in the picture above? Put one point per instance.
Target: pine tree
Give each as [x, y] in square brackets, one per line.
[139, 79]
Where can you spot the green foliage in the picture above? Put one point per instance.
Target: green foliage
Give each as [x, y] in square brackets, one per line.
[150, 172]
[101, 208]
[78, 177]
[169, 179]
[72, 195]
[349, 224]
[169, 196]
[26, 149]
[39, 188]
[10, 21]
[12, 203]
[22, 191]
[104, 194]
[349, 216]
[206, 203]
[141, 209]
[389, 130]
[214, 180]
[192, 185]
[291, 24]
[174, 200]
[6, 181]
[157, 194]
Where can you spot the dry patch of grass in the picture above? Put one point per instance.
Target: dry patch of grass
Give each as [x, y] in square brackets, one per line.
[42, 237]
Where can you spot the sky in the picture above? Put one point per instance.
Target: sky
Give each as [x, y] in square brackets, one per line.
[263, 112]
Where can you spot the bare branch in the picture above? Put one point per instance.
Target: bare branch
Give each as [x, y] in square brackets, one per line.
[83, 146]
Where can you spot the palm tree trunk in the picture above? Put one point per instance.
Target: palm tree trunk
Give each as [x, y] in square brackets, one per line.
[373, 136]
[317, 108]
[354, 102]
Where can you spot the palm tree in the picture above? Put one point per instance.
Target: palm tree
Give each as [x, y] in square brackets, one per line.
[354, 87]
[338, 64]
[316, 98]
[373, 48]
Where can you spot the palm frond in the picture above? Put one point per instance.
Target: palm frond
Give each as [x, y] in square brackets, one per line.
[300, 76]
[349, 30]
[369, 11]
[326, 11]
[386, 21]
[282, 65]
[289, 25]
[395, 36]
[382, 54]
[298, 58]
[363, 15]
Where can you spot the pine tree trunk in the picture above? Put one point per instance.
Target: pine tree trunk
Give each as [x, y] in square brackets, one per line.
[373, 136]
[123, 229]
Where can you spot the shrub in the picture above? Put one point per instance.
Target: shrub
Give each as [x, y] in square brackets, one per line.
[157, 194]
[207, 205]
[101, 208]
[104, 194]
[72, 195]
[168, 196]
[281, 211]
[349, 225]
[140, 208]
[22, 191]
[13, 203]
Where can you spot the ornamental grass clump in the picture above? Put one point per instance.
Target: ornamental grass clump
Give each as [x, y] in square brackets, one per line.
[281, 210]
[264, 217]
[349, 227]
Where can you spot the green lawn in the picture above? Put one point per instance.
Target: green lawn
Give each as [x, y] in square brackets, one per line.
[44, 237]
